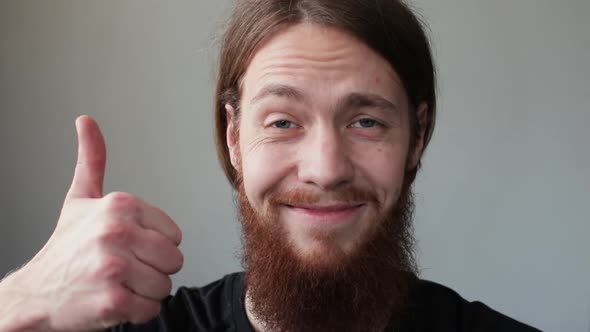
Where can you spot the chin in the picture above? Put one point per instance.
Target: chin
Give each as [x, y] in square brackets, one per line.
[322, 242]
[324, 253]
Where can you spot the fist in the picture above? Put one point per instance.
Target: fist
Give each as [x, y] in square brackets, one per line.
[110, 257]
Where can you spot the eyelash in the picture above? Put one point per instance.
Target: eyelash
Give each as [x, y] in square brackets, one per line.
[274, 124]
[375, 123]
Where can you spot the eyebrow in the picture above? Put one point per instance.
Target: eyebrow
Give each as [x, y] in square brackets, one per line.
[362, 100]
[353, 100]
[279, 90]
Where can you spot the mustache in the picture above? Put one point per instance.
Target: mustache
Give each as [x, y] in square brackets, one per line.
[304, 196]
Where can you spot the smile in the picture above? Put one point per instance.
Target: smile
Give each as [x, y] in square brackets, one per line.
[325, 214]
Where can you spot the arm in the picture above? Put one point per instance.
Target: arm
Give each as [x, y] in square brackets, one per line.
[108, 260]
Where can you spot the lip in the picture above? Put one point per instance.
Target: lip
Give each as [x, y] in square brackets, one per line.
[336, 213]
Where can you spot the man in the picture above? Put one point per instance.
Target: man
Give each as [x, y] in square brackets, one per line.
[323, 112]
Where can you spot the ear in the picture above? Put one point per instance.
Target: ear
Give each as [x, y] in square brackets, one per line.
[416, 154]
[230, 134]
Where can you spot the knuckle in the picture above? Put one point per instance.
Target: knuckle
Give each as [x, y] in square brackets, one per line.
[112, 268]
[119, 201]
[115, 232]
[115, 301]
[119, 196]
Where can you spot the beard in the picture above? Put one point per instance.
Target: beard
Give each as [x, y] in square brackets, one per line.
[362, 289]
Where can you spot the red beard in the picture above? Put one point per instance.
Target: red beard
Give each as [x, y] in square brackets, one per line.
[361, 290]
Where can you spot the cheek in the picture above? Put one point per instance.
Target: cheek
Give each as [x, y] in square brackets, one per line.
[263, 169]
[383, 167]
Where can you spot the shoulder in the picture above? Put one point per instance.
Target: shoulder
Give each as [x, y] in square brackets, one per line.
[208, 308]
[435, 307]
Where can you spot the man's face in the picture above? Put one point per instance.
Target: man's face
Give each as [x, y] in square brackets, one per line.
[324, 137]
[321, 146]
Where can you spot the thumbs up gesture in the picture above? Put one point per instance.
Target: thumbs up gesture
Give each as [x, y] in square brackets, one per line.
[110, 256]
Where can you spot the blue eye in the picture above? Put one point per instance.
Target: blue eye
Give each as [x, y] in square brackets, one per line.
[283, 124]
[365, 123]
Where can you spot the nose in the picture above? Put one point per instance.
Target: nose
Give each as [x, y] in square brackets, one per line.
[325, 161]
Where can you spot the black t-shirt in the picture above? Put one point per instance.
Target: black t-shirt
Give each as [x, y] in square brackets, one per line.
[219, 307]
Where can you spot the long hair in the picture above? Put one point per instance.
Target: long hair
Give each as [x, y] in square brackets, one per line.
[389, 27]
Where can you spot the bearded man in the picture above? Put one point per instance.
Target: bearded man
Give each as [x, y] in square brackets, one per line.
[323, 111]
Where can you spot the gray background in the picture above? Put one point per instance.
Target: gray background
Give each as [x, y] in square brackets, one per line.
[502, 202]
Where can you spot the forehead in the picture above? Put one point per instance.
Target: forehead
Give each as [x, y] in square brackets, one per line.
[322, 62]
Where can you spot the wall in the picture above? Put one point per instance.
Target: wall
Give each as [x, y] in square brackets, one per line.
[502, 210]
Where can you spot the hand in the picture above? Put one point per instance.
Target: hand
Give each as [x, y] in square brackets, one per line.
[109, 258]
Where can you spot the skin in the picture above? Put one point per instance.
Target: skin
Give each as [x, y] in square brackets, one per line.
[311, 139]
[108, 260]
[298, 130]
[110, 256]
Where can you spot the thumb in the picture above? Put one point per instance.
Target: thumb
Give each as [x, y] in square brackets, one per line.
[90, 167]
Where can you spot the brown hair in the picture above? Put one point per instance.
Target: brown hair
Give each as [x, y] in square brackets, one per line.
[389, 27]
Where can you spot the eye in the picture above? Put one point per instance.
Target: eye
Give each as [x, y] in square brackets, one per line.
[366, 123]
[283, 124]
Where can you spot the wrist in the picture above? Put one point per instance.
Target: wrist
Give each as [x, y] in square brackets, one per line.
[21, 310]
